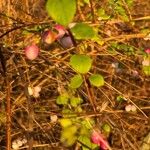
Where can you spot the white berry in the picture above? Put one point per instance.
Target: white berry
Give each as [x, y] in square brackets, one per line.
[15, 146]
[128, 108]
[133, 108]
[53, 118]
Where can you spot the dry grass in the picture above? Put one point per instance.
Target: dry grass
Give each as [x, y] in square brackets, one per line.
[51, 72]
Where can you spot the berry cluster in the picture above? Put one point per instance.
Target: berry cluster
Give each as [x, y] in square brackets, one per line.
[58, 33]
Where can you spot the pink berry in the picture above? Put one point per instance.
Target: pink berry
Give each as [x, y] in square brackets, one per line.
[135, 73]
[95, 138]
[147, 51]
[32, 51]
[99, 139]
[48, 37]
[61, 31]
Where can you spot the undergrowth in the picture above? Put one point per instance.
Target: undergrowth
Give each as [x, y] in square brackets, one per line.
[74, 75]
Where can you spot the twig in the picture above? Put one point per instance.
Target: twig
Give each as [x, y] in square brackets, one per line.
[20, 27]
[142, 18]
[30, 109]
[8, 108]
[8, 115]
[126, 98]
[92, 10]
[127, 8]
[13, 19]
[30, 118]
[90, 94]
[80, 11]
[126, 37]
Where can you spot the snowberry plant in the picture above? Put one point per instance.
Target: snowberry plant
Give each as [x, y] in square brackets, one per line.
[75, 128]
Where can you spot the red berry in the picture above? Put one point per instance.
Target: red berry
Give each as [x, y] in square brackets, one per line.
[147, 51]
[61, 31]
[48, 37]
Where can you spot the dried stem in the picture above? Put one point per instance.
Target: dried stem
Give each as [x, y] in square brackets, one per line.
[30, 108]
[30, 118]
[80, 11]
[90, 94]
[8, 115]
[126, 37]
[8, 108]
[92, 11]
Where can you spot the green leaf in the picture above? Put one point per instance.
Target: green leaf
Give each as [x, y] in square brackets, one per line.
[96, 80]
[78, 109]
[67, 113]
[84, 148]
[88, 123]
[129, 2]
[69, 131]
[120, 99]
[83, 31]
[146, 70]
[87, 142]
[81, 63]
[75, 101]
[65, 122]
[62, 99]
[122, 12]
[102, 15]
[62, 11]
[76, 81]
[98, 40]
[84, 131]
[106, 127]
[68, 135]
[87, 1]
[71, 140]
[127, 49]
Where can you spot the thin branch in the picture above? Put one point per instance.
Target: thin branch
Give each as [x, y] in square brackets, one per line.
[8, 108]
[29, 106]
[8, 115]
[90, 95]
[126, 37]
[92, 10]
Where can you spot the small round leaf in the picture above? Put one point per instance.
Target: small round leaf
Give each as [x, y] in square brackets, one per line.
[146, 70]
[96, 80]
[76, 81]
[62, 11]
[62, 99]
[68, 136]
[86, 142]
[106, 127]
[88, 123]
[75, 101]
[81, 63]
[65, 122]
[83, 31]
